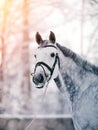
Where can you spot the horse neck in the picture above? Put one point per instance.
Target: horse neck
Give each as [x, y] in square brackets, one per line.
[72, 76]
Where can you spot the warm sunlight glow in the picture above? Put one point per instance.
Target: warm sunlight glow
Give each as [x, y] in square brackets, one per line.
[0, 53]
[1, 3]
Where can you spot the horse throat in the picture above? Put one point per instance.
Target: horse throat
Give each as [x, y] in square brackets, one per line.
[68, 86]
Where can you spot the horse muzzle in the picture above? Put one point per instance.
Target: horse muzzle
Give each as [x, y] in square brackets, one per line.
[39, 80]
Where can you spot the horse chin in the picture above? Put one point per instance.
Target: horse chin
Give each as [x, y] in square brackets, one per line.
[40, 86]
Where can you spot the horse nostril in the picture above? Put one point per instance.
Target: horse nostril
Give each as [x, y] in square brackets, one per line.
[40, 78]
[34, 80]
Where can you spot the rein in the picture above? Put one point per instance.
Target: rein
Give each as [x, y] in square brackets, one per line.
[43, 64]
[51, 69]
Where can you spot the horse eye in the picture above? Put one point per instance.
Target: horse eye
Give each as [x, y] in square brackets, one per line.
[52, 54]
[35, 56]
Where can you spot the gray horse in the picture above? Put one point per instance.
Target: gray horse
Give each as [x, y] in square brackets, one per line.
[71, 74]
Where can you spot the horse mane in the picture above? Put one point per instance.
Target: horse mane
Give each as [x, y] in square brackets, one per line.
[78, 60]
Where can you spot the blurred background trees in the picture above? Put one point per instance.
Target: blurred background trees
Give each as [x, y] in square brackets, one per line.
[75, 26]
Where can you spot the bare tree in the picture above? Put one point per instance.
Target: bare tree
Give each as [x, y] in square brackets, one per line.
[3, 47]
[25, 53]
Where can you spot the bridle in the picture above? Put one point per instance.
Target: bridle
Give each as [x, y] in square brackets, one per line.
[44, 65]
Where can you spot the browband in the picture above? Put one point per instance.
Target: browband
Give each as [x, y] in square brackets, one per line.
[47, 46]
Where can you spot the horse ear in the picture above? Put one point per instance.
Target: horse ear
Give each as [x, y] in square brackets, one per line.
[52, 37]
[38, 38]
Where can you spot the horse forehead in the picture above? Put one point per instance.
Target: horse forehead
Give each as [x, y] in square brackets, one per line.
[46, 50]
[45, 43]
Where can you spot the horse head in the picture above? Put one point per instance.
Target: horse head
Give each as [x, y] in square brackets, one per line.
[47, 60]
